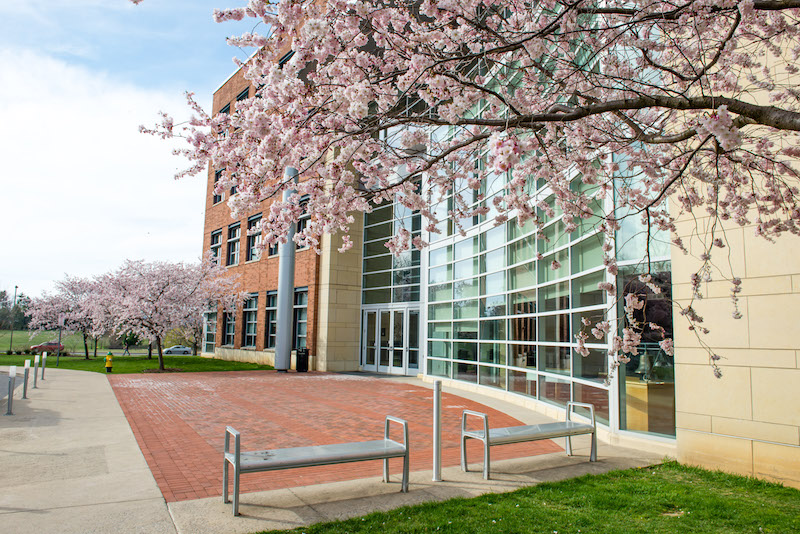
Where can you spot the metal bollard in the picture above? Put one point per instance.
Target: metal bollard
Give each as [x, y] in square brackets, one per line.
[44, 363]
[437, 430]
[25, 379]
[12, 377]
[35, 370]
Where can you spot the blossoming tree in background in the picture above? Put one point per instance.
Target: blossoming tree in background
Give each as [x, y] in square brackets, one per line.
[151, 299]
[597, 111]
[74, 301]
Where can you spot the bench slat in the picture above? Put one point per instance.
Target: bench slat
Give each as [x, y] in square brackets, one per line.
[320, 455]
[517, 434]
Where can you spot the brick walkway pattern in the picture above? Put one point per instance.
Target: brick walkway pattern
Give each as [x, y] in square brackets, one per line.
[179, 422]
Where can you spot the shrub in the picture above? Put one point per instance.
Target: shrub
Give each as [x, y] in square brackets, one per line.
[19, 352]
[9, 352]
[27, 351]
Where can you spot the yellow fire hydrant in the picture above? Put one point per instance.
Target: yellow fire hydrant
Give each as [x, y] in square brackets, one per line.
[109, 357]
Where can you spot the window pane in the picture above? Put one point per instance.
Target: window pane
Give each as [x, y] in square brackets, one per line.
[466, 288]
[493, 306]
[466, 371]
[438, 368]
[493, 353]
[587, 254]
[591, 367]
[523, 355]
[554, 359]
[554, 297]
[554, 328]
[465, 351]
[585, 291]
[493, 376]
[465, 309]
[554, 390]
[522, 382]
[595, 396]
[523, 328]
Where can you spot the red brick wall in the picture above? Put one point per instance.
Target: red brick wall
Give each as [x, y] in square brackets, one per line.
[261, 275]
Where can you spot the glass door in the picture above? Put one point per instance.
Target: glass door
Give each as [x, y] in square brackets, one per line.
[391, 341]
[370, 347]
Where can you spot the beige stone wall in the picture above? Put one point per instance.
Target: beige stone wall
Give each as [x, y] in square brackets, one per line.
[339, 303]
[262, 357]
[748, 421]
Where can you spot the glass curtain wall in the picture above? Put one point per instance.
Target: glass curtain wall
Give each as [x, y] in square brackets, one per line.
[504, 307]
[387, 278]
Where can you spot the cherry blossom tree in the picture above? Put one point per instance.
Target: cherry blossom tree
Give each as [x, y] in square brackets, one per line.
[151, 299]
[74, 301]
[594, 111]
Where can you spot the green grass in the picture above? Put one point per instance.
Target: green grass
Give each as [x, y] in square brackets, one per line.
[668, 498]
[72, 342]
[136, 364]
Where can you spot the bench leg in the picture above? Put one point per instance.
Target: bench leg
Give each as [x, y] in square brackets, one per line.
[386, 470]
[464, 453]
[235, 491]
[404, 486]
[225, 481]
[486, 460]
[593, 455]
[568, 447]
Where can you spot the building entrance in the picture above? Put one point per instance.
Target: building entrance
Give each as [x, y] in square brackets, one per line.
[390, 341]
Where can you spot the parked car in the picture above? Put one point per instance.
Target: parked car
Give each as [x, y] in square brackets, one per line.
[49, 346]
[178, 349]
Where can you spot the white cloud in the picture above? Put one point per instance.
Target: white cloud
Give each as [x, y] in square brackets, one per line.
[81, 188]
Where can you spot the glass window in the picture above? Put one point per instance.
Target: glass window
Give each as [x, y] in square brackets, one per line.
[554, 390]
[216, 244]
[554, 297]
[595, 396]
[467, 372]
[554, 359]
[554, 328]
[250, 314]
[465, 351]
[233, 244]
[210, 337]
[229, 328]
[493, 306]
[523, 328]
[493, 376]
[494, 330]
[465, 309]
[254, 238]
[522, 276]
[440, 292]
[466, 288]
[522, 382]
[217, 198]
[585, 290]
[300, 326]
[438, 368]
[592, 367]
[493, 353]
[440, 255]
[271, 320]
[523, 355]
[587, 254]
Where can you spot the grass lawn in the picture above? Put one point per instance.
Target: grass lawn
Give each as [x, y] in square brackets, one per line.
[22, 340]
[668, 498]
[136, 364]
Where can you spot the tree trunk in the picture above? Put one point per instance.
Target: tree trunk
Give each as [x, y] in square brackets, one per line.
[160, 356]
[95, 347]
[194, 348]
[150, 351]
[86, 344]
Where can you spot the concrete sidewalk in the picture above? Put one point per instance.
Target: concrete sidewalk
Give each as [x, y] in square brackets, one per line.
[71, 464]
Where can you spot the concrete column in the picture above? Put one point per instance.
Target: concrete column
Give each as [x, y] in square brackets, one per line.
[286, 251]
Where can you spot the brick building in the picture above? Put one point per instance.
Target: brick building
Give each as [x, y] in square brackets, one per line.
[483, 311]
[248, 334]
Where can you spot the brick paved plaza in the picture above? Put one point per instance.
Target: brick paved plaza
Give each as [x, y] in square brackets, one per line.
[179, 422]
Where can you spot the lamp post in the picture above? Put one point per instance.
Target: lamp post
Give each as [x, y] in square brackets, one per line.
[14, 303]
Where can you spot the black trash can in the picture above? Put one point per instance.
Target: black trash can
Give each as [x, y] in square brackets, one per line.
[302, 360]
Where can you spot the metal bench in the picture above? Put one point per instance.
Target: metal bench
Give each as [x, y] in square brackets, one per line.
[271, 460]
[518, 434]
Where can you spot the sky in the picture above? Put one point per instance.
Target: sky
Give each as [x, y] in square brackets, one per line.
[81, 190]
